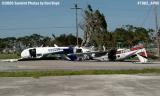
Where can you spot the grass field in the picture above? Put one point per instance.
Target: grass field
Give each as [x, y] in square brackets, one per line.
[9, 56]
[37, 74]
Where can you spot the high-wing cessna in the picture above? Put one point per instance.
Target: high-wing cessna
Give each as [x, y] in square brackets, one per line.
[123, 54]
[111, 55]
[41, 52]
[38, 53]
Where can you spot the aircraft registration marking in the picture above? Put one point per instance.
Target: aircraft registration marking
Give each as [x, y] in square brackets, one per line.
[54, 50]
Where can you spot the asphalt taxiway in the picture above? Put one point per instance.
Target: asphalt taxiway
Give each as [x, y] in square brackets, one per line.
[88, 85]
[70, 65]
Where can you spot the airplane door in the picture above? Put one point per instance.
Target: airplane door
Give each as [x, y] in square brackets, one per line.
[32, 53]
[112, 55]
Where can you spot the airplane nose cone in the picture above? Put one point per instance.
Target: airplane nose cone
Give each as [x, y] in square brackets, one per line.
[25, 54]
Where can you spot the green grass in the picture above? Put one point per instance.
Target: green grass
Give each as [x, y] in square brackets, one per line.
[37, 74]
[9, 56]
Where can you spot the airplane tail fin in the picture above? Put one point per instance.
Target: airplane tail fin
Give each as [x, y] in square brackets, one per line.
[143, 50]
[55, 45]
[141, 58]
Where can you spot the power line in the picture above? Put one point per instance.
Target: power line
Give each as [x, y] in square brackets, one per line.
[147, 16]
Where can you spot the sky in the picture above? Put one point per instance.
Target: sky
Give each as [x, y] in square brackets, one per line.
[22, 20]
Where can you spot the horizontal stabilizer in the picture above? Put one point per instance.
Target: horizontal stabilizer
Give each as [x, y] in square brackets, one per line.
[142, 59]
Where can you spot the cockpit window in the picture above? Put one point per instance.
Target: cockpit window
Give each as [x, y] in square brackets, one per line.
[118, 52]
[78, 50]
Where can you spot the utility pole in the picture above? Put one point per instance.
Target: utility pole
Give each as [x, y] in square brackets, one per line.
[156, 28]
[76, 8]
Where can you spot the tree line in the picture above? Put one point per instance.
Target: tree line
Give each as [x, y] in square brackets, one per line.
[95, 30]
[13, 44]
[94, 26]
[127, 36]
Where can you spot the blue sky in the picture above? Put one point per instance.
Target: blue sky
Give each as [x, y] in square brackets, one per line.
[47, 20]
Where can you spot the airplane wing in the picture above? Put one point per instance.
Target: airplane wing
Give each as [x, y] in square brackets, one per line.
[86, 55]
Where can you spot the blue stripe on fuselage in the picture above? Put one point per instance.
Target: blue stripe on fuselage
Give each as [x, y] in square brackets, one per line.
[68, 51]
[72, 57]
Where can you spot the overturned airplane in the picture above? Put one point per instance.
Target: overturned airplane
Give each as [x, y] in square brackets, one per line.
[111, 55]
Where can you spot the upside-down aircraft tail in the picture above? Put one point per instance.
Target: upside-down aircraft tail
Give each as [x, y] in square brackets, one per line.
[141, 58]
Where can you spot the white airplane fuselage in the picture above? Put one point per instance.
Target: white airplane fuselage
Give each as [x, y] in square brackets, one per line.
[124, 54]
[39, 52]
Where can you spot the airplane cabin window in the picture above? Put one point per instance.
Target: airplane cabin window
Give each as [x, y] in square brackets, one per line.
[118, 52]
[39, 55]
[78, 50]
